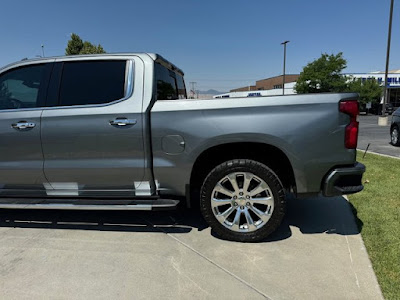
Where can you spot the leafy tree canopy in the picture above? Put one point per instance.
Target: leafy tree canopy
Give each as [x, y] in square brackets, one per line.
[76, 46]
[369, 90]
[323, 75]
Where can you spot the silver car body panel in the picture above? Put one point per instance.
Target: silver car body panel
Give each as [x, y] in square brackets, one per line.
[21, 155]
[78, 151]
[21, 158]
[308, 129]
[82, 152]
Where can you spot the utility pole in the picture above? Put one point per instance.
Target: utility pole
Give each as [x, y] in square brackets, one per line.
[193, 89]
[42, 50]
[385, 91]
[284, 65]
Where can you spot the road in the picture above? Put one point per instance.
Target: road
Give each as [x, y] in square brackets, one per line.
[377, 136]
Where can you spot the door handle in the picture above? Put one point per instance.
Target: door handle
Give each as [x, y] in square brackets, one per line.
[122, 122]
[23, 125]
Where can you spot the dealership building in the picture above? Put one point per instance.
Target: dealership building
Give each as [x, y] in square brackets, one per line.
[273, 86]
[393, 84]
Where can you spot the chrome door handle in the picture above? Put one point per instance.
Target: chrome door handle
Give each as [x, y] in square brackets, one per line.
[122, 122]
[23, 125]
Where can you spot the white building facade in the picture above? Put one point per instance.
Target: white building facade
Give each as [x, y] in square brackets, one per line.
[393, 87]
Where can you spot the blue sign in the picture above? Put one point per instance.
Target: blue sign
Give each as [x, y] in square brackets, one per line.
[392, 81]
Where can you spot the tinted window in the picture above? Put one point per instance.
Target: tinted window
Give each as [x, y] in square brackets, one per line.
[20, 88]
[166, 83]
[181, 87]
[92, 82]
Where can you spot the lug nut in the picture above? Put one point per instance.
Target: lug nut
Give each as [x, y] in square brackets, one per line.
[235, 204]
[248, 203]
[247, 197]
[241, 194]
[234, 197]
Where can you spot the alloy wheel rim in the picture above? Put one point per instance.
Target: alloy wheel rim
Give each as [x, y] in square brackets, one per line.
[395, 136]
[242, 202]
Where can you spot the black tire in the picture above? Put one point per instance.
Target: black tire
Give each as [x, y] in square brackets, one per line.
[261, 172]
[394, 136]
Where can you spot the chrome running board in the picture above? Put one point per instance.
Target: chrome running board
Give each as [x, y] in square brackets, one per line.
[87, 204]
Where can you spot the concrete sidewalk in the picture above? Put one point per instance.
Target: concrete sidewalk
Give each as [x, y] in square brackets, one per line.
[317, 253]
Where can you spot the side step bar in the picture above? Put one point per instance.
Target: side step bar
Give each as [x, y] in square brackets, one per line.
[88, 204]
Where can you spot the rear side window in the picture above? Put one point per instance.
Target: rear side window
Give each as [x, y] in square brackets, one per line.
[181, 86]
[20, 88]
[166, 83]
[92, 82]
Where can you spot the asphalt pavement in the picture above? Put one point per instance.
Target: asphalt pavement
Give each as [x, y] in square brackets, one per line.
[317, 253]
[377, 136]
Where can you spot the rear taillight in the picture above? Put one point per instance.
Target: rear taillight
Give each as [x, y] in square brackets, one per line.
[351, 136]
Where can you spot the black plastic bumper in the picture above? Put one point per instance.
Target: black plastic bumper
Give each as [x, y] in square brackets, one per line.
[345, 180]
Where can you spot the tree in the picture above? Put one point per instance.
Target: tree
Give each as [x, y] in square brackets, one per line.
[76, 46]
[369, 90]
[323, 75]
[89, 48]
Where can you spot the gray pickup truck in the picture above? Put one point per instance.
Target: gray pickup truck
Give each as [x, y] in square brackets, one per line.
[117, 132]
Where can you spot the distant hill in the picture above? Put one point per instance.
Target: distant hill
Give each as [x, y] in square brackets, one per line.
[210, 92]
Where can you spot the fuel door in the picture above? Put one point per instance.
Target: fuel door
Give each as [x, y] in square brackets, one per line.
[173, 144]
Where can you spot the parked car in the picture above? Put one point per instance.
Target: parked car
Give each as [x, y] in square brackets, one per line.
[395, 128]
[376, 109]
[115, 131]
[389, 108]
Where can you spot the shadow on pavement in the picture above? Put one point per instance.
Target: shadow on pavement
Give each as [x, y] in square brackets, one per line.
[319, 215]
[124, 221]
[311, 216]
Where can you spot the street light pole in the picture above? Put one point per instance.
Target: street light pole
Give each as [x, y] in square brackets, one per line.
[385, 92]
[284, 65]
[42, 50]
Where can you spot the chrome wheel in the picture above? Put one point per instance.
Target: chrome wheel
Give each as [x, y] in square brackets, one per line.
[242, 202]
[395, 136]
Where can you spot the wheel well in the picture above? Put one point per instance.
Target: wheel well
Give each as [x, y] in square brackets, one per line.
[269, 155]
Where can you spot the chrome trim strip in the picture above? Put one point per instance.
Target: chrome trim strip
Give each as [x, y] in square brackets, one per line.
[78, 207]
[50, 203]
[129, 79]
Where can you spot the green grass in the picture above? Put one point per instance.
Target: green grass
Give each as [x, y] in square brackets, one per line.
[378, 208]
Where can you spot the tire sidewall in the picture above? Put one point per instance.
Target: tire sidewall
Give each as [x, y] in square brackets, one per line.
[259, 170]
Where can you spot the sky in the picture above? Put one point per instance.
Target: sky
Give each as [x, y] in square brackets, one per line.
[219, 44]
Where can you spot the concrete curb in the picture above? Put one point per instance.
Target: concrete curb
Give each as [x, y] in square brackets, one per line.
[385, 155]
[365, 249]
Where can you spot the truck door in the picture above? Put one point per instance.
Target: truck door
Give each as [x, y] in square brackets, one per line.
[93, 136]
[22, 96]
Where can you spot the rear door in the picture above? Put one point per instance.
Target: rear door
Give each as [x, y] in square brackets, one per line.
[93, 136]
[22, 96]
